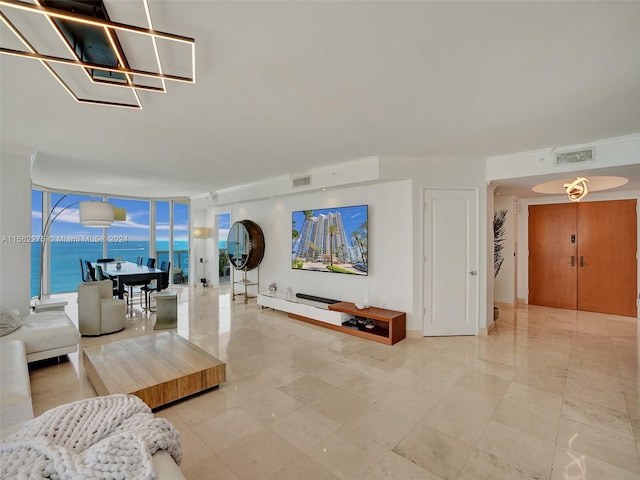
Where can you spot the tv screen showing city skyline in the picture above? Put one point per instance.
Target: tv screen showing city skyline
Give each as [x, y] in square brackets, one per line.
[331, 240]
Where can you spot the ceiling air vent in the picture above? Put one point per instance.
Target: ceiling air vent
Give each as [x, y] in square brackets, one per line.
[302, 181]
[578, 156]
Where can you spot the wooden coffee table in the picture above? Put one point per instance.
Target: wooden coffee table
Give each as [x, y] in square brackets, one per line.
[159, 368]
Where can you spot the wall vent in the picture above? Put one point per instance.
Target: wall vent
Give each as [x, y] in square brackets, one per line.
[302, 181]
[578, 156]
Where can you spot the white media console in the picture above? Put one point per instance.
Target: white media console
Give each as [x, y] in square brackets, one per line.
[305, 308]
[377, 324]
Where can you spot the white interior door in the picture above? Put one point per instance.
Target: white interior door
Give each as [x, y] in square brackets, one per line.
[450, 248]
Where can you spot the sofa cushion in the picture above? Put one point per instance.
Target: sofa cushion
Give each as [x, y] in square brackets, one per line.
[9, 321]
[15, 394]
[46, 331]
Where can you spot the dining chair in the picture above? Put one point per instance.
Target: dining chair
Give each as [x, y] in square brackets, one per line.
[139, 260]
[151, 263]
[163, 284]
[83, 273]
[101, 276]
[91, 272]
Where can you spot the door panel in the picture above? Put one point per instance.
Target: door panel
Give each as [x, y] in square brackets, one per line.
[450, 246]
[552, 277]
[607, 272]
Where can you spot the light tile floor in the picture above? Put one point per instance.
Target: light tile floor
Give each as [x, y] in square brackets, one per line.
[550, 394]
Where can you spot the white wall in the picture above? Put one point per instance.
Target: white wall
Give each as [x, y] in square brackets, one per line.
[391, 262]
[15, 220]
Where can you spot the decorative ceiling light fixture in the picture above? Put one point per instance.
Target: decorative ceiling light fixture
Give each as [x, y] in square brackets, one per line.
[84, 29]
[577, 189]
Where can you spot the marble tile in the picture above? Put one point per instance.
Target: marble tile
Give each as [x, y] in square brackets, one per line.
[270, 406]
[407, 403]
[305, 428]
[519, 448]
[569, 464]
[486, 384]
[472, 401]
[303, 468]
[483, 465]
[540, 381]
[394, 467]
[259, 456]
[237, 425]
[528, 420]
[434, 451]
[456, 422]
[604, 445]
[381, 426]
[367, 387]
[597, 416]
[347, 454]
[340, 405]
[306, 388]
[203, 469]
[535, 398]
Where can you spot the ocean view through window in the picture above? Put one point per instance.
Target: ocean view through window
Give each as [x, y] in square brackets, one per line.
[129, 239]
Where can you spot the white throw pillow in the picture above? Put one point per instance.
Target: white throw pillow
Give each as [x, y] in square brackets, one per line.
[9, 321]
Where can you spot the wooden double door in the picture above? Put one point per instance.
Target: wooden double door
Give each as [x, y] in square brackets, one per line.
[582, 256]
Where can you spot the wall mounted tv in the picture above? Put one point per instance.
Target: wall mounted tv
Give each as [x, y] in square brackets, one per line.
[334, 240]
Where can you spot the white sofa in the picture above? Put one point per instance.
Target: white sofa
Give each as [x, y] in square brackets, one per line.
[44, 335]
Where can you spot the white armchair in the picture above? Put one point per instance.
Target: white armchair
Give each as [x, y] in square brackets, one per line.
[98, 311]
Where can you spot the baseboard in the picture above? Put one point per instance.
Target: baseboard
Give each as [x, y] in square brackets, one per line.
[415, 334]
[487, 331]
[504, 304]
[521, 301]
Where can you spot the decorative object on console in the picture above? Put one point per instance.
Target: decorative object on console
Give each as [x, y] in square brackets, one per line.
[365, 300]
[273, 287]
[331, 240]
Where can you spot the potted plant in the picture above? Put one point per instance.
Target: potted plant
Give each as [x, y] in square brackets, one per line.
[499, 233]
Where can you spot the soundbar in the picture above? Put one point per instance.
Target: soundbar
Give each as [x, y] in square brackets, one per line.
[317, 299]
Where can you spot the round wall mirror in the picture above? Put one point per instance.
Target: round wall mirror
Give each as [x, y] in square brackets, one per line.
[245, 245]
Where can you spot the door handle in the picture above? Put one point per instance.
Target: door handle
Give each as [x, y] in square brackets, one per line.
[573, 261]
[473, 272]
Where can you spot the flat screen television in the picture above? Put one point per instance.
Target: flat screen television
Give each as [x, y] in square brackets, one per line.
[334, 240]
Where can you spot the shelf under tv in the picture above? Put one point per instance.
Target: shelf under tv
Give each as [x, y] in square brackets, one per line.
[389, 326]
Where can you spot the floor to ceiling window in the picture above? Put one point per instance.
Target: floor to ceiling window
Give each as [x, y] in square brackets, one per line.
[129, 239]
[145, 232]
[224, 224]
[69, 241]
[180, 241]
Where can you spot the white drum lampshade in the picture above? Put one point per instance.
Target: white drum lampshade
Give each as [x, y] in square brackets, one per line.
[96, 214]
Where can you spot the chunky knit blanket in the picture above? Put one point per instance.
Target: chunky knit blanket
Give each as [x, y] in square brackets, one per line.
[109, 437]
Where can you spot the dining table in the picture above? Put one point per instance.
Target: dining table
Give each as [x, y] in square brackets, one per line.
[130, 273]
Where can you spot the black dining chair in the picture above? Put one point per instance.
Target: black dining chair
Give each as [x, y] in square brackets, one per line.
[139, 260]
[101, 276]
[83, 272]
[105, 260]
[151, 263]
[163, 284]
[91, 272]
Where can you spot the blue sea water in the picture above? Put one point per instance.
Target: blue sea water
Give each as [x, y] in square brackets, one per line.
[65, 268]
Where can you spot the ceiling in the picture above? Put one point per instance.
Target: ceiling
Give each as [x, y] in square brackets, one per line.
[284, 87]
